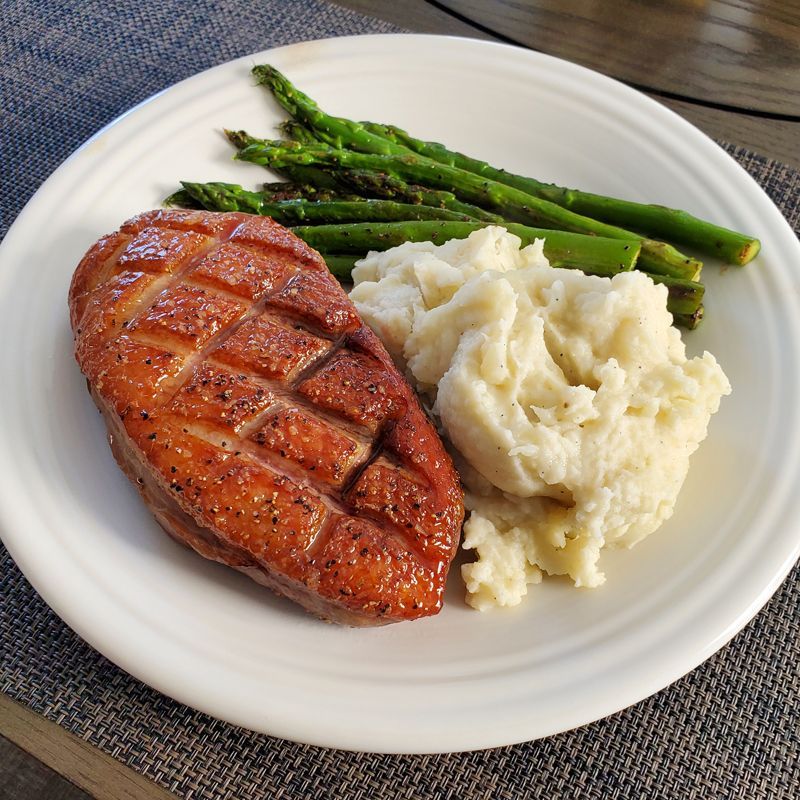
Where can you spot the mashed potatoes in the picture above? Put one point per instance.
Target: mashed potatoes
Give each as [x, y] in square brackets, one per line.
[568, 397]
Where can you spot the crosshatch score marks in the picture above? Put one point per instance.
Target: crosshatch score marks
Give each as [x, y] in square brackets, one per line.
[263, 422]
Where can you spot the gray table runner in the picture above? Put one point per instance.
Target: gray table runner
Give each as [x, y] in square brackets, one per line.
[731, 729]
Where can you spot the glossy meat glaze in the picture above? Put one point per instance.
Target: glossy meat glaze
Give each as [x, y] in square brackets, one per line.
[264, 423]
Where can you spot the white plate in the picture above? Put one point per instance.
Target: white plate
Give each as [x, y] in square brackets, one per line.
[212, 639]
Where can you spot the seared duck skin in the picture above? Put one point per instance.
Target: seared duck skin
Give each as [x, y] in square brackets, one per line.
[264, 424]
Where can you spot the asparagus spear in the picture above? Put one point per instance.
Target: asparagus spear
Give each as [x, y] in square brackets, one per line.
[369, 185]
[341, 265]
[360, 185]
[321, 179]
[335, 131]
[182, 199]
[690, 321]
[589, 253]
[684, 298]
[289, 190]
[297, 173]
[654, 220]
[230, 197]
[364, 182]
[373, 184]
[511, 203]
[297, 132]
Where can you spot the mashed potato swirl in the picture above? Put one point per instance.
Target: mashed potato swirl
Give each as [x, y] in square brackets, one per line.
[568, 397]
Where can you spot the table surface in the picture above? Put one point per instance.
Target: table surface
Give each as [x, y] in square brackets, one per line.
[740, 56]
[731, 67]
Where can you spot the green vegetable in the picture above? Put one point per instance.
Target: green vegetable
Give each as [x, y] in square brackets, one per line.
[335, 131]
[362, 182]
[690, 321]
[684, 298]
[368, 137]
[288, 190]
[181, 199]
[662, 222]
[375, 184]
[341, 265]
[230, 197]
[510, 203]
[590, 253]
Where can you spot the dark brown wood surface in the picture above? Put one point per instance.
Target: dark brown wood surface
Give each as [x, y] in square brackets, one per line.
[742, 54]
[772, 135]
[41, 760]
[23, 776]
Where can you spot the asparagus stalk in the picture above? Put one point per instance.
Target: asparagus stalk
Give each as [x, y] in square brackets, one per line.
[230, 197]
[321, 179]
[360, 185]
[335, 131]
[684, 298]
[368, 185]
[308, 174]
[182, 199]
[373, 184]
[297, 132]
[593, 254]
[341, 265]
[690, 321]
[511, 203]
[365, 182]
[653, 220]
[289, 190]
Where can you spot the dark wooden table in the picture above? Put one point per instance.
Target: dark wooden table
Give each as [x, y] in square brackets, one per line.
[731, 67]
[727, 54]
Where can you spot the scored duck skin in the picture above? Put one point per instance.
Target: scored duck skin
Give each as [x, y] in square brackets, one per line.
[264, 424]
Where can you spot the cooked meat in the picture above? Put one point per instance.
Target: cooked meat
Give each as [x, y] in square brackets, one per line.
[264, 424]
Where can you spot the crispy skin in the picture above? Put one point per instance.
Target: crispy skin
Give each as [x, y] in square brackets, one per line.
[264, 424]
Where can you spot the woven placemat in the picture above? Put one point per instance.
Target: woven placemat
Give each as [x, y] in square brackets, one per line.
[731, 729]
